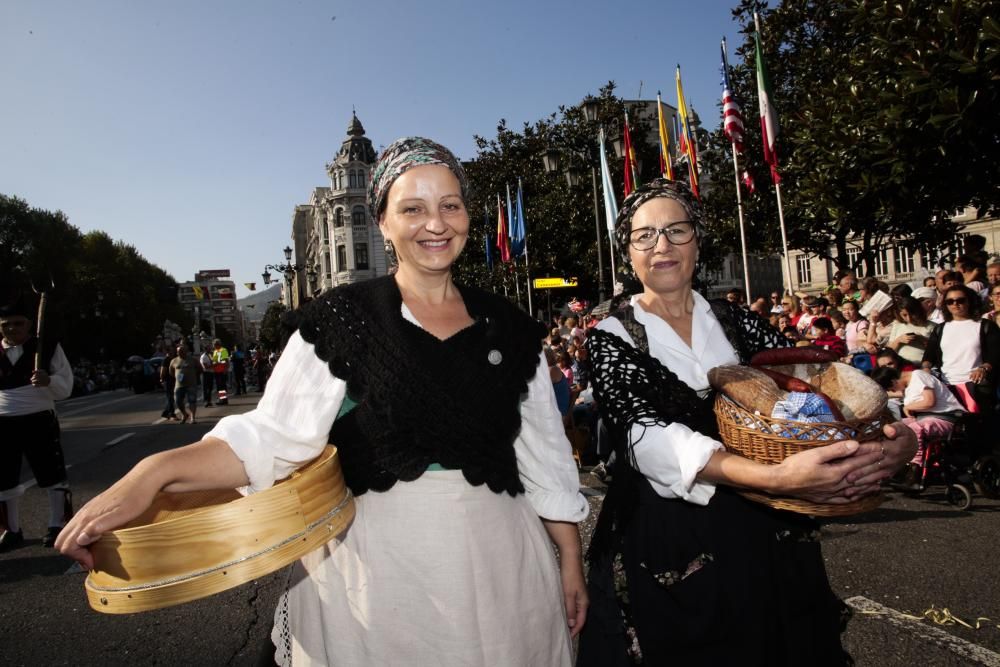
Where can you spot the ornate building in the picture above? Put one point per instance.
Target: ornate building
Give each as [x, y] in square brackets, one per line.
[335, 239]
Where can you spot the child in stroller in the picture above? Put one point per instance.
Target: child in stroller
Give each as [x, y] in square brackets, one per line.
[938, 418]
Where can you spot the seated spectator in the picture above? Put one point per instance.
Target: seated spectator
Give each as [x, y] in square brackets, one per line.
[909, 332]
[835, 297]
[791, 307]
[923, 395]
[886, 358]
[839, 322]
[791, 333]
[929, 282]
[973, 274]
[566, 366]
[879, 326]
[735, 295]
[927, 296]
[993, 273]
[759, 306]
[856, 329]
[826, 338]
[994, 313]
[847, 283]
[811, 310]
[776, 306]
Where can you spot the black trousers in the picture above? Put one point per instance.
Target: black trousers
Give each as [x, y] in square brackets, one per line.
[207, 382]
[36, 438]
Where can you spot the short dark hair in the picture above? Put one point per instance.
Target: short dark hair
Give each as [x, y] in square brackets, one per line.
[823, 323]
[885, 376]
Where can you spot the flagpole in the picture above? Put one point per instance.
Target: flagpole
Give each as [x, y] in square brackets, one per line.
[784, 238]
[739, 192]
[527, 262]
[774, 165]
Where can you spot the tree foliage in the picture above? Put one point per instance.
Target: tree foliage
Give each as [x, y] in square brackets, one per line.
[108, 302]
[887, 122]
[270, 332]
[562, 240]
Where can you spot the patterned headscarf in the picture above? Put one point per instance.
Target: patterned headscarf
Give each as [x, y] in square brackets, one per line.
[404, 154]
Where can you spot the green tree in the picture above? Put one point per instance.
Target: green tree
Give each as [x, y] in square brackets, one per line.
[108, 301]
[887, 123]
[559, 217]
[270, 326]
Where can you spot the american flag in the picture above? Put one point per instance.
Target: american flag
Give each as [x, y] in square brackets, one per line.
[732, 119]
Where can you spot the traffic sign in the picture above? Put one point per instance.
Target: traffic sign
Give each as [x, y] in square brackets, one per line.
[548, 283]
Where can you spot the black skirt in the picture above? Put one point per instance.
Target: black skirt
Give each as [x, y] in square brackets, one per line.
[729, 583]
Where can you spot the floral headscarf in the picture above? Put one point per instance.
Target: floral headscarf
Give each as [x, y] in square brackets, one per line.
[404, 154]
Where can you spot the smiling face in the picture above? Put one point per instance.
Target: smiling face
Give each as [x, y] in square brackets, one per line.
[665, 267]
[425, 219]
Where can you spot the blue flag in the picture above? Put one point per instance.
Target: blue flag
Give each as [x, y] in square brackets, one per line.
[489, 250]
[517, 230]
[510, 225]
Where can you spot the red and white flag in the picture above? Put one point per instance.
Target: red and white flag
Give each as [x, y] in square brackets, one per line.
[732, 118]
[768, 114]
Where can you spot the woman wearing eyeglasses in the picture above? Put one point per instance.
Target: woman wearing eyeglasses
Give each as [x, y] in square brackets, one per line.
[966, 349]
[994, 313]
[792, 308]
[683, 570]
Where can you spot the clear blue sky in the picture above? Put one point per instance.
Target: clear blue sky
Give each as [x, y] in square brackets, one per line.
[191, 129]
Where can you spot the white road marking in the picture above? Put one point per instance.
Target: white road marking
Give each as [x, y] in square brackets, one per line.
[112, 443]
[159, 421]
[928, 633]
[92, 407]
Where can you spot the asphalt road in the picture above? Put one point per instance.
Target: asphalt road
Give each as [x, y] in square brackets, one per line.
[891, 565]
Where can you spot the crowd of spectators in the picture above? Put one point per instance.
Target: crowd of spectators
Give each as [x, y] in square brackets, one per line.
[934, 344]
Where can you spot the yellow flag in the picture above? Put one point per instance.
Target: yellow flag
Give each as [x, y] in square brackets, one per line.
[666, 168]
[198, 292]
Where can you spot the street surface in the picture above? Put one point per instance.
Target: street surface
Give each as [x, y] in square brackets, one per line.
[892, 564]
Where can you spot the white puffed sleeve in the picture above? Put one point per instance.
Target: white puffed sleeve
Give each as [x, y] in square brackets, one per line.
[544, 456]
[60, 375]
[291, 424]
[671, 456]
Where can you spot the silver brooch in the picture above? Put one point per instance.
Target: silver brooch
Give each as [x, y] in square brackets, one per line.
[495, 357]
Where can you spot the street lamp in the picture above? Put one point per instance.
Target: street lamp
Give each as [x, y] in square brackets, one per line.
[287, 269]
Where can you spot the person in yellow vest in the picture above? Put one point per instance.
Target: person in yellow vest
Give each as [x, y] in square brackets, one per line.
[220, 367]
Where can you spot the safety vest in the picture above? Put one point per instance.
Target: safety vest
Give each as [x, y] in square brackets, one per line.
[220, 358]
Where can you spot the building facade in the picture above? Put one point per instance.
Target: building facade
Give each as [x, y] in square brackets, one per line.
[211, 300]
[895, 262]
[335, 239]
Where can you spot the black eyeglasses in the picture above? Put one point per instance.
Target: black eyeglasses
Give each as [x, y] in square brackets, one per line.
[678, 233]
[960, 301]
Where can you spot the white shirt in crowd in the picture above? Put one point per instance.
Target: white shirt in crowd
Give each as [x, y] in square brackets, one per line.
[671, 457]
[944, 400]
[960, 349]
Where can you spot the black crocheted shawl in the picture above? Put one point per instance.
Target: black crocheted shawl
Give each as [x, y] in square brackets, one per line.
[633, 387]
[421, 400]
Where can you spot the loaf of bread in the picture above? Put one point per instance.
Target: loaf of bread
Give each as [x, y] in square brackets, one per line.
[858, 396]
[750, 388]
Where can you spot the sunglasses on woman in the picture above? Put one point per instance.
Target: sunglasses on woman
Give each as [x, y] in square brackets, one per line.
[961, 301]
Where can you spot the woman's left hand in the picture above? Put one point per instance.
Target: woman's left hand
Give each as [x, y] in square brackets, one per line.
[895, 449]
[574, 592]
[978, 375]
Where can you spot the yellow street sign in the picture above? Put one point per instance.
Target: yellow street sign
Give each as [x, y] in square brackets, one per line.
[548, 283]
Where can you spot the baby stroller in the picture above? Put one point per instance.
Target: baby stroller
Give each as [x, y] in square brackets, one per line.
[963, 461]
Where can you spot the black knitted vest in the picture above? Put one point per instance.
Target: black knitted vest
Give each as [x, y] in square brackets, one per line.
[19, 374]
[421, 400]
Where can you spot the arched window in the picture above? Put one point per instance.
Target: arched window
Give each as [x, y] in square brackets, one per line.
[338, 218]
[358, 216]
[325, 229]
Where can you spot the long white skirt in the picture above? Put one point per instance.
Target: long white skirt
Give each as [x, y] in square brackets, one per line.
[431, 572]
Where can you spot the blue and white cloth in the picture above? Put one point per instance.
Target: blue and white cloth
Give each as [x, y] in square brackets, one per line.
[803, 407]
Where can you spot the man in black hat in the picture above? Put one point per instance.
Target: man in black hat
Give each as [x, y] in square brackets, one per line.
[28, 423]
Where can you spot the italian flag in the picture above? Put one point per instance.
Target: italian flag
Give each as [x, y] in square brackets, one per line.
[768, 114]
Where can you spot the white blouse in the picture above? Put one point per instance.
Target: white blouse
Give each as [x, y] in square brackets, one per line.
[671, 457]
[291, 425]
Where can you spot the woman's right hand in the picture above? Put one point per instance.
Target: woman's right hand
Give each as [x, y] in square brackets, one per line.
[126, 499]
[820, 474]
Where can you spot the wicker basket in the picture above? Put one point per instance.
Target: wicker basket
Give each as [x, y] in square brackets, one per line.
[770, 440]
